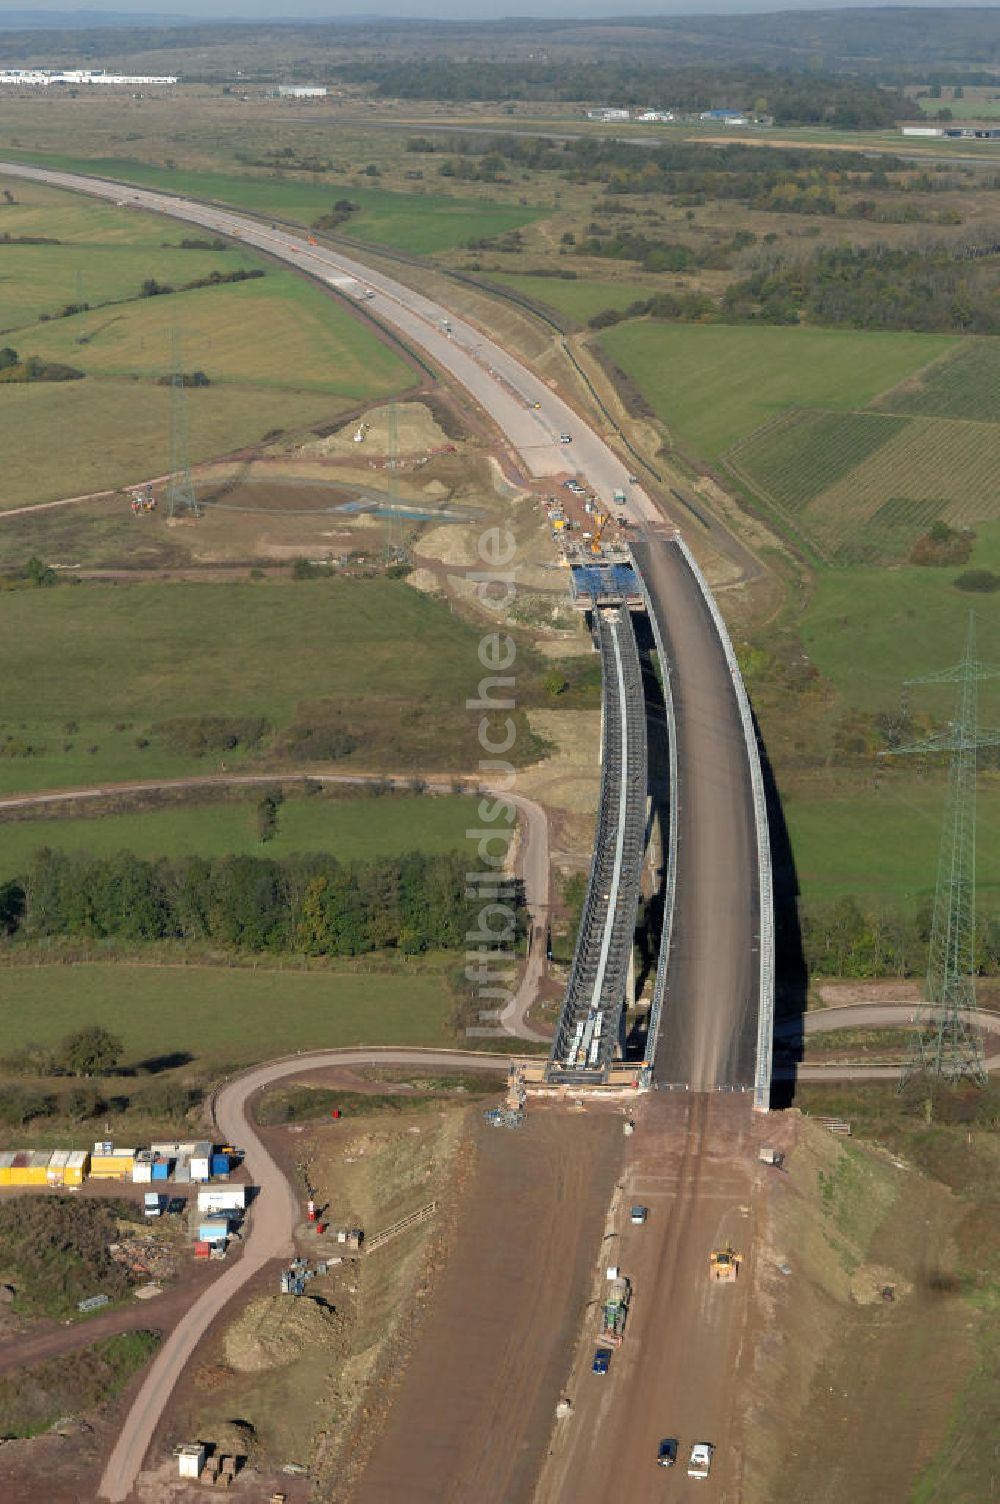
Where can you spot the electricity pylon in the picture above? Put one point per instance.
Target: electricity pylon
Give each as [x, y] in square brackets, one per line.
[180, 487]
[393, 530]
[947, 1040]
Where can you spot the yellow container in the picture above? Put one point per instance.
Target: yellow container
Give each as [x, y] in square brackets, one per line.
[6, 1161]
[77, 1167]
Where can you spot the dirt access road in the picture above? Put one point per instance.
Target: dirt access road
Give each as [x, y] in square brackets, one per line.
[686, 1354]
[276, 1213]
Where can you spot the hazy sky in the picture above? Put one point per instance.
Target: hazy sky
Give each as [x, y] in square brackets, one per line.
[451, 9]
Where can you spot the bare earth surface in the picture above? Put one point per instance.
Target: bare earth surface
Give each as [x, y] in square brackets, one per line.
[686, 1352]
[472, 1417]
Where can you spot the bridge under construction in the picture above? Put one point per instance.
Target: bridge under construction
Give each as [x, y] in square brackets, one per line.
[711, 1014]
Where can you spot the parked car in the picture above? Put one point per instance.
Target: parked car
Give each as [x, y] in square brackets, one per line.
[700, 1461]
[666, 1455]
[565, 438]
[602, 1360]
[638, 1215]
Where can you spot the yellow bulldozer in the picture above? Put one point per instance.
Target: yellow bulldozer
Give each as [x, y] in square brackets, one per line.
[724, 1264]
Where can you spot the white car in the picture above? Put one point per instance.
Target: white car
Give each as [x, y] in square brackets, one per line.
[700, 1461]
[565, 438]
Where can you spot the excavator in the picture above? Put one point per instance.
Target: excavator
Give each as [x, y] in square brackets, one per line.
[724, 1264]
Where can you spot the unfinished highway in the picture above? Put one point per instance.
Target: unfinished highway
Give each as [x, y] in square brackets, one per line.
[708, 1031]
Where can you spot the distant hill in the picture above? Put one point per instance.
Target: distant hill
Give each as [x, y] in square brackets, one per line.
[82, 20]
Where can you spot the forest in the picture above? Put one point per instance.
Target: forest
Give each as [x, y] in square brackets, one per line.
[308, 904]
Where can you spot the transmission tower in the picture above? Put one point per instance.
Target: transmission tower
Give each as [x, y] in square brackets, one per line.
[947, 1040]
[393, 527]
[180, 487]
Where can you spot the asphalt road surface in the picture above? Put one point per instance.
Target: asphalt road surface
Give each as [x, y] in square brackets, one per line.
[275, 1214]
[709, 1026]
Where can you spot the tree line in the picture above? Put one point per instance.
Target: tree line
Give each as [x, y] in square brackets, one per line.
[845, 938]
[307, 904]
[844, 102]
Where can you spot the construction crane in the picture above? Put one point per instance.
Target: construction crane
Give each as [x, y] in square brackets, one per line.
[600, 523]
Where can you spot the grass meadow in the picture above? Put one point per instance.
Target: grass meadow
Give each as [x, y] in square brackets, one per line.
[421, 222]
[98, 666]
[580, 298]
[352, 829]
[713, 384]
[222, 1016]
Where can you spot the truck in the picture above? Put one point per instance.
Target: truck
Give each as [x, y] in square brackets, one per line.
[619, 496]
[152, 1204]
[614, 1311]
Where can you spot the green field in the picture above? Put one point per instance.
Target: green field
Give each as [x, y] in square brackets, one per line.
[965, 384]
[221, 1015]
[421, 222]
[881, 844]
[867, 630]
[279, 351]
[807, 450]
[97, 665]
[581, 299]
[277, 331]
[352, 829]
[72, 438]
[713, 384]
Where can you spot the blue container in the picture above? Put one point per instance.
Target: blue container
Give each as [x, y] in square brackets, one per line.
[219, 1164]
[161, 1169]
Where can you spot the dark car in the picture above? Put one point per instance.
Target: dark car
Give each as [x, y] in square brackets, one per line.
[602, 1360]
[667, 1454]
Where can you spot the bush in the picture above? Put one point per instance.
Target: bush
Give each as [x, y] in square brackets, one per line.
[980, 581]
[195, 736]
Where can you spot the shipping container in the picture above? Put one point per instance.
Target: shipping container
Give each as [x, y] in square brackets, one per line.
[222, 1198]
[6, 1160]
[31, 1167]
[202, 1250]
[215, 1230]
[56, 1172]
[77, 1167]
[142, 1170]
[161, 1169]
[201, 1158]
[220, 1164]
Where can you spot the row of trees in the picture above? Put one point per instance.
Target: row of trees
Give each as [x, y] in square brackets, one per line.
[921, 289]
[843, 938]
[309, 904]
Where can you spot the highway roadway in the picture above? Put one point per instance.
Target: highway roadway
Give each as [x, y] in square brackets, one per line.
[529, 414]
[708, 1029]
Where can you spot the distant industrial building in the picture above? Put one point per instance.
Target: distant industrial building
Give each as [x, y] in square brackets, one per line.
[964, 132]
[301, 91]
[41, 78]
[608, 112]
[725, 117]
[659, 115]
